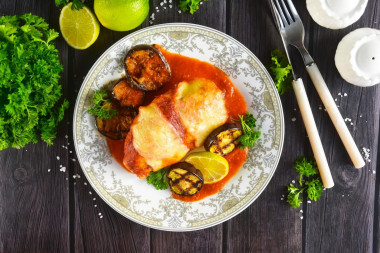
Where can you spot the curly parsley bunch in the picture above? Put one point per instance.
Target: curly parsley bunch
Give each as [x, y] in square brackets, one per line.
[29, 75]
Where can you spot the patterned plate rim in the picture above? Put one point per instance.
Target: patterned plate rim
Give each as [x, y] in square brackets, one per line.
[257, 61]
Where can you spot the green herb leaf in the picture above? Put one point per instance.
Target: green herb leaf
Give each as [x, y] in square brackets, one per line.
[29, 82]
[158, 179]
[249, 137]
[314, 189]
[189, 5]
[294, 196]
[97, 107]
[77, 4]
[305, 167]
[309, 179]
[280, 71]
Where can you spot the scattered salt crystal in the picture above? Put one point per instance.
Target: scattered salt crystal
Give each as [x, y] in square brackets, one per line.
[170, 1]
[150, 22]
[336, 99]
[85, 183]
[71, 151]
[162, 3]
[78, 176]
[63, 169]
[49, 170]
[295, 109]
[282, 198]
[94, 199]
[293, 181]
[58, 158]
[165, 1]
[339, 94]
[164, 8]
[351, 124]
[324, 189]
[66, 136]
[73, 159]
[100, 213]
[74, 176]
[374, 172]
[101, 216]
[343, 196]
[320, 107]
[157, 10]
[308, 201]
[360, 115]
[179, 12]
[367, 154]
[95, 205]
[301, 211]
[345, 94]
[60, 166]
[201, 3]
[301, 217]
[90, 192]
[170, 6]
[67, 178]
[294, 119]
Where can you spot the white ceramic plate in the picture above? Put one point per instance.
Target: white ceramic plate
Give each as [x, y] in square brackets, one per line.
[142, 203]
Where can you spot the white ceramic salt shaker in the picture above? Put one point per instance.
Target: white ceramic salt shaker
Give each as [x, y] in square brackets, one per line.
[357, 57]
[336, 14]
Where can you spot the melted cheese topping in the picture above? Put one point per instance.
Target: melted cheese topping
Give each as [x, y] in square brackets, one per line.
[155, 138]
[200, 105]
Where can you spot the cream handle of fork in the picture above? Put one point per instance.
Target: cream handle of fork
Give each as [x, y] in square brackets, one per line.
[312, 132]
[335, 115]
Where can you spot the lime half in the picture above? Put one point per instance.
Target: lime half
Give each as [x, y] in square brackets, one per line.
[79, 28]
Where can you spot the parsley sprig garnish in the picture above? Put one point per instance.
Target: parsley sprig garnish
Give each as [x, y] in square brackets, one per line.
[280, 70]
[77, 4]
[309, 182]
[189, 5]
[158, 179]
[98, 109]
[250, 136]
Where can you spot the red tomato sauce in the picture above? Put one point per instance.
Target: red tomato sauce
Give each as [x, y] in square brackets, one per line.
[186, 69]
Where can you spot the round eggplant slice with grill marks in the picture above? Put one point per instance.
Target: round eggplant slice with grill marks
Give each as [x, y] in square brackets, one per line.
[146, 68]
[224, 139]
[118, 126]
[185, 179]
[127, 96]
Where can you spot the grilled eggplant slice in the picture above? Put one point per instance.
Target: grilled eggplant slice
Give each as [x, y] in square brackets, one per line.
[127, 96]
[117, 127]
[146, 68]
[223, 139]
[185, 179]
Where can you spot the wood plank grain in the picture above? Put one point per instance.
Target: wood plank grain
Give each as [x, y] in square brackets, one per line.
[269, 224]
[34, 200]
[343, 219]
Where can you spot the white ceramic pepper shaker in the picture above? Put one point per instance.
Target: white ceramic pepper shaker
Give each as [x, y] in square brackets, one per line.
[336, 14]
[357, 57]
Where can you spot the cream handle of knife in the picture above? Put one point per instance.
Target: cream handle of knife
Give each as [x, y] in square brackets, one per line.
[312, 132]
[335, 116]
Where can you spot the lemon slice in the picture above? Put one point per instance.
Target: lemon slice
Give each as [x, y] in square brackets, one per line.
[80, 28]
[213, 167]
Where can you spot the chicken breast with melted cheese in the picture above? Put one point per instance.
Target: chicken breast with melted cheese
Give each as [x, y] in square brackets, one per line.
[172, 125]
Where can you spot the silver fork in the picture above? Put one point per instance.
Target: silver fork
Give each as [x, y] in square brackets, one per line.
[293, 32]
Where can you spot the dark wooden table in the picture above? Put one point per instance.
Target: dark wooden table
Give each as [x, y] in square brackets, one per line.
[45, 210]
